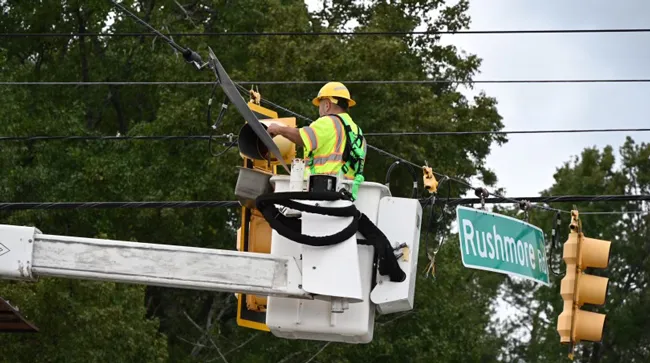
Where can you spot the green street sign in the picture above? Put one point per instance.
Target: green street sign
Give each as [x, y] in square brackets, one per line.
[494, 242]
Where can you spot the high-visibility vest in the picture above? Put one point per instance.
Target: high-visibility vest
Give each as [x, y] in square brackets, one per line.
[325, 141]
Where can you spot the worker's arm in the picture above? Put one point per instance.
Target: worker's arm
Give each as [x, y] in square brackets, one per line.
[291, 133]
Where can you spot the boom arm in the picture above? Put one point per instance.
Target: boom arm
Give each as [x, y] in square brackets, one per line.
[26, 253]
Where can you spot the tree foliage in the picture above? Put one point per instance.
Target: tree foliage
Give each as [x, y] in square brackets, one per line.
[81, 319]
[82, 322]
[625, 337]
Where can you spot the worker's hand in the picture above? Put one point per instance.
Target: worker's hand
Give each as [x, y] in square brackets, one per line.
[275, 129]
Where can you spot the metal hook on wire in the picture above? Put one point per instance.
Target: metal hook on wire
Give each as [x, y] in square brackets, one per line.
[482, 193]
[555, 237]
[525, 205]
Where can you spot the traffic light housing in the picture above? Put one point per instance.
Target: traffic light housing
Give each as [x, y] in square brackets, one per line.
[250, 145]
[578, 288]
[254, 235]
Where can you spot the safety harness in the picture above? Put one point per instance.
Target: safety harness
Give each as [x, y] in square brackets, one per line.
[353, 155]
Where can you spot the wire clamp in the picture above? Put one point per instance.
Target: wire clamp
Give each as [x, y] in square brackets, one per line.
[256, 97]
[428, 179]
[482, 193]
[525, 206]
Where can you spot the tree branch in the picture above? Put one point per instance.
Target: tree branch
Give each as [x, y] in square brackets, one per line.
[206, 331]
[122, 127]
[286, 359]
[319, 352]
[187, 13]
[243, 344]
[395, 318]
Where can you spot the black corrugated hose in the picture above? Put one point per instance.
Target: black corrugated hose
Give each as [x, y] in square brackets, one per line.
[290, 227]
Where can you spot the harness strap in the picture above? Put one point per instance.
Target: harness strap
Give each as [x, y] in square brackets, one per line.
[353, 155]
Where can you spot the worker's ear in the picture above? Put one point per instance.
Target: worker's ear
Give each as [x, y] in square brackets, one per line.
[328, 105]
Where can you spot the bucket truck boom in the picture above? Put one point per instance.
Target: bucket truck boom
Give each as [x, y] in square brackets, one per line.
[27, 253]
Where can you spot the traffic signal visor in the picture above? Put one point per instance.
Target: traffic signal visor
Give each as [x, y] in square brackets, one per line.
[593, 253]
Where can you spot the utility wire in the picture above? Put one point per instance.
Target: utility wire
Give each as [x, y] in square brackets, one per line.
[374, 134]
[555, 199]
[12, 206]
[154, 30]
[116, 205]
[299, 82]
[110, 138]
[332, 33]
[617, 212]
[511, 132]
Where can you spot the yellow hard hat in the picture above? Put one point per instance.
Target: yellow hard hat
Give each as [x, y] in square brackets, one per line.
[333, 89]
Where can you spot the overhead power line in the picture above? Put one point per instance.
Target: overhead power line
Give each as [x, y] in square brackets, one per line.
[291, 83]
[110, 138]
[331, 33]
[617, 212]
[555, 199]
[372, 134]
[116, 205]
[13, 206]
[510, 132]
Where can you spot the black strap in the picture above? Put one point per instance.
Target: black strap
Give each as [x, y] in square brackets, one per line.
[286, 199]
[388, 264]
[286, 227]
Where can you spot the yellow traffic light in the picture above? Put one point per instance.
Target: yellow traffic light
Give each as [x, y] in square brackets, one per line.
[250, 145]
[578, 288]
[254, 235]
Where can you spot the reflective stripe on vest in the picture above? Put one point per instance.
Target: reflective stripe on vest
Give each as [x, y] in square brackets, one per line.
[330, 163]
[312, 137]
[339, 134]
[322, 160]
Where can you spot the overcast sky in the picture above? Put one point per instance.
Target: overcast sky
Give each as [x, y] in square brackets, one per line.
[526, 164]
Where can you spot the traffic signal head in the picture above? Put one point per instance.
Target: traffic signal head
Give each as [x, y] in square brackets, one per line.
[578, 288]
[251, 146]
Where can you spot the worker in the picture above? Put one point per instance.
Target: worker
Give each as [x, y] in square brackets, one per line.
[333, 143]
